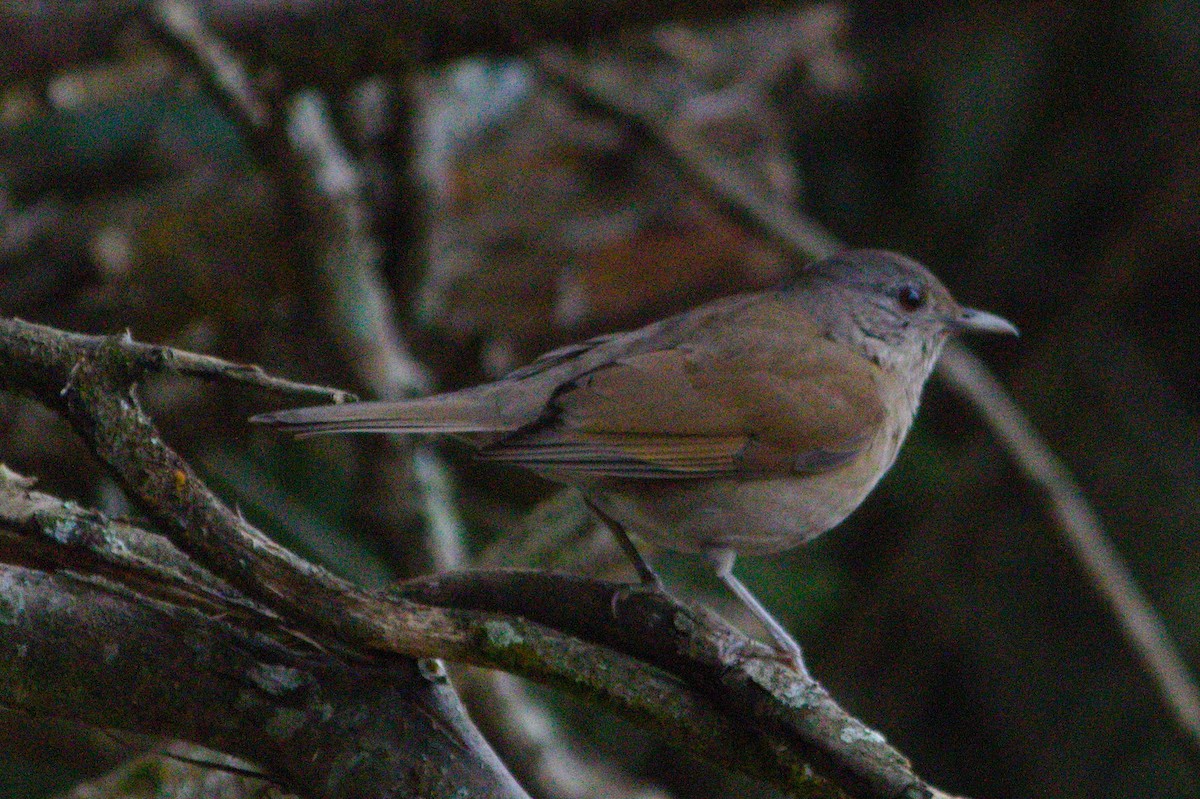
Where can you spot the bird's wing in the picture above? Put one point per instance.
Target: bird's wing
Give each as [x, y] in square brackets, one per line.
[690, 412]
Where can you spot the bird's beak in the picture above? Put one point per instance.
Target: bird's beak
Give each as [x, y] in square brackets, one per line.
[970, 320]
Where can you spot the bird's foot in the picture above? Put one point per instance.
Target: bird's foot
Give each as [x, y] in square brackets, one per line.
[754, 651]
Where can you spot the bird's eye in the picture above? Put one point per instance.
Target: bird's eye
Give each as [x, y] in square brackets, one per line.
[910, 297]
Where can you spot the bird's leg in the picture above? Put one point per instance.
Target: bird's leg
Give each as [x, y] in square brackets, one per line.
[789, 651]
[644, 570]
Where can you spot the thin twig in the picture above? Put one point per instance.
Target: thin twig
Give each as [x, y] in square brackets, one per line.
[215, 62]
[1143, 627]
[697, 161]
[144, 359]
[348, 256]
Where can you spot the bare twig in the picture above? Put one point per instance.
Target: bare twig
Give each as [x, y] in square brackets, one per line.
[179, 26]
[141, 359]
[1081, 526]
[348, 256]
[723, 181]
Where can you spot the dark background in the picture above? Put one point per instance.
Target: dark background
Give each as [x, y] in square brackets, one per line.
[1043, 159]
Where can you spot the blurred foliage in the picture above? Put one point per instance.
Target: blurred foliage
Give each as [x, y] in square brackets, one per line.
[1042, 158]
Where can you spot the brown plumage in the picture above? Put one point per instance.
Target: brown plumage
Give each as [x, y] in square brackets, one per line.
[750, 424]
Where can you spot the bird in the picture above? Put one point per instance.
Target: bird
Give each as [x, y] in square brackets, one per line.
[747, 425]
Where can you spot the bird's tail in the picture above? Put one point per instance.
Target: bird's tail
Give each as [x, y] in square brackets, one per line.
[448, 413]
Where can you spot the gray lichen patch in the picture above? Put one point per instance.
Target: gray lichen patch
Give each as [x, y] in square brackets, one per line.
[780, 681]
[853, 733]
[501, 635]
[72, 526]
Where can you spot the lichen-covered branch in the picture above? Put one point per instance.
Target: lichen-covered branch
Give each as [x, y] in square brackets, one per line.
[81, 648]
[798, 715]
[42, 532]
[700, 693]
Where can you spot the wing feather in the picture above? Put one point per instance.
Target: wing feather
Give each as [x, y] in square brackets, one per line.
[688, 412]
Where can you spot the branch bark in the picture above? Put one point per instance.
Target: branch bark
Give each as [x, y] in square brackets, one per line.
[109, 625]
[707, 692]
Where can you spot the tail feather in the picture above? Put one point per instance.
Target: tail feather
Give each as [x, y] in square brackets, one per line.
[446, 414]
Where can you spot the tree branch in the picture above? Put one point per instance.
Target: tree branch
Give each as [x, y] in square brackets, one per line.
[91, 634]
[142, 360]
[767, 722]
